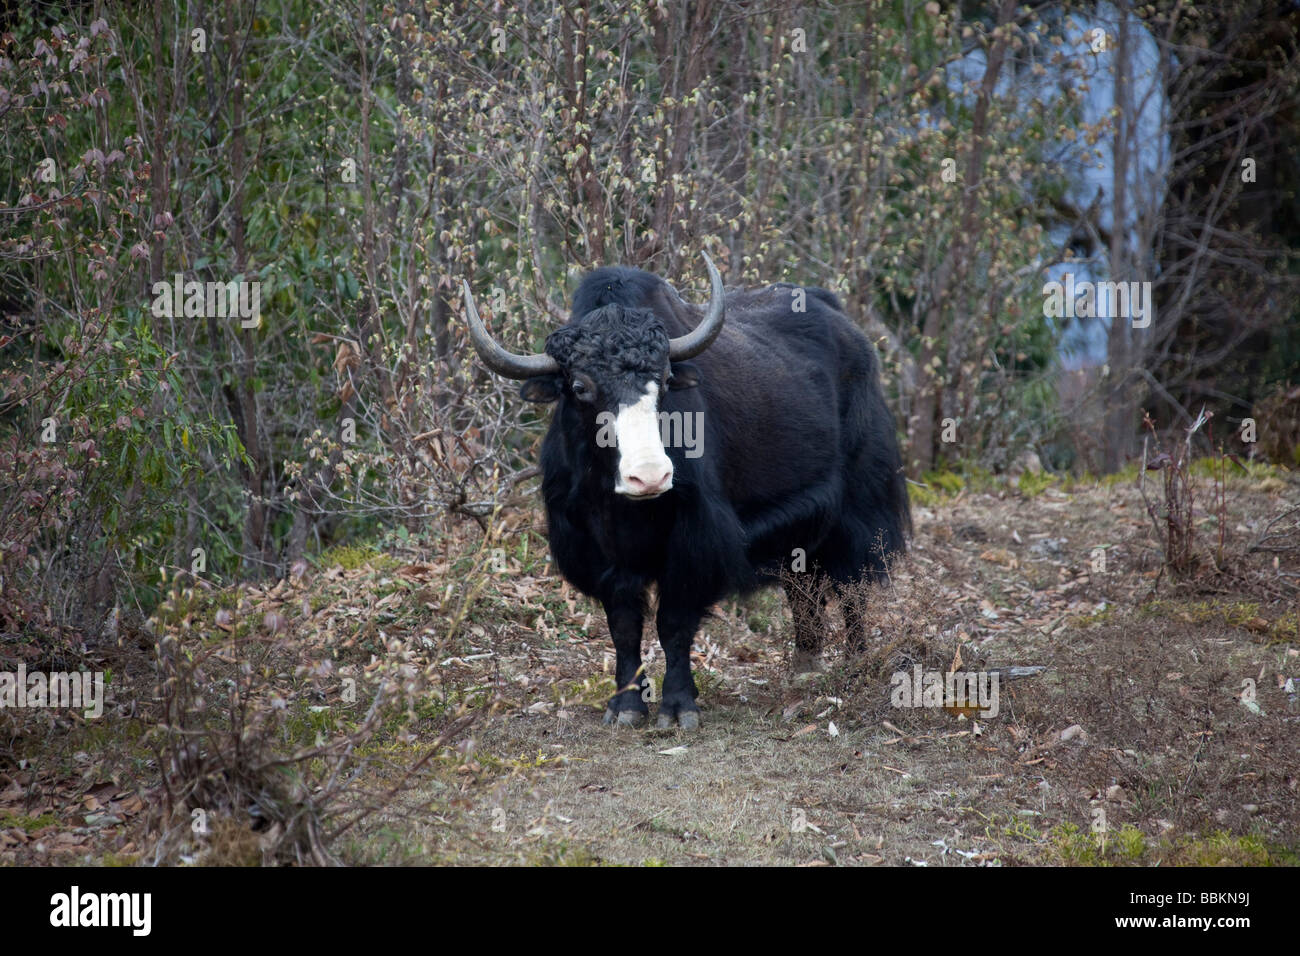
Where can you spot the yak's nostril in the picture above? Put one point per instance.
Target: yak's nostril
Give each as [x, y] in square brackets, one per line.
[643, 485]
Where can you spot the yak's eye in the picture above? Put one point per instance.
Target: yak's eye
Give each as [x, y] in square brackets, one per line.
[578, 387]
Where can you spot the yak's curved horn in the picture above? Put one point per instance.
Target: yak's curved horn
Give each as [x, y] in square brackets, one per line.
[701, 337]
[497, 358]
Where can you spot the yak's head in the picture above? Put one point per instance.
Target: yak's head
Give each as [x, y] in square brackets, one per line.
[613, 363]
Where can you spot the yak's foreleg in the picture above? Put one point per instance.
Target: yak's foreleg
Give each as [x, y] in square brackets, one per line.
[677, 628]
[625, 614]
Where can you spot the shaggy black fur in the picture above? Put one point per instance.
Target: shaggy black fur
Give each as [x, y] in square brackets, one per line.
[799, 453]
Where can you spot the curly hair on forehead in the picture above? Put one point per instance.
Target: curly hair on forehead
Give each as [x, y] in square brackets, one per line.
[629, 339]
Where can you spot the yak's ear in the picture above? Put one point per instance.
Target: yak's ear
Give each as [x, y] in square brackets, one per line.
[541, 388]
[684, 375]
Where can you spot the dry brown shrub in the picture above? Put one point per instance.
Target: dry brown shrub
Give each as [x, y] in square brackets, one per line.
[256, 768]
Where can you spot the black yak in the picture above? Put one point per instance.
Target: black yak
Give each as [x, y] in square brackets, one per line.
[771, 453]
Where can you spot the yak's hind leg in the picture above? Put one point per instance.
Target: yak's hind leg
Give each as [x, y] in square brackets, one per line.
[855, 628]
[806, 592]
[677, 626]
[625, 612]
[862, 588]
[856, 558]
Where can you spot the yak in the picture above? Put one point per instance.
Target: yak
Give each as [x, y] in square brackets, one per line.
[708, 452]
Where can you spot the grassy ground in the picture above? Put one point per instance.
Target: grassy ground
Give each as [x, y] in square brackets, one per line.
[1160, 731]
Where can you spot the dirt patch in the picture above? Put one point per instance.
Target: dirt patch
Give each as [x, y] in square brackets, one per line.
[1159, 731]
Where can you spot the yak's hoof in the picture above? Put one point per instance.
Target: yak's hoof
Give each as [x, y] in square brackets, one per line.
[625, 718]
[686, 720]
[805, 662]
